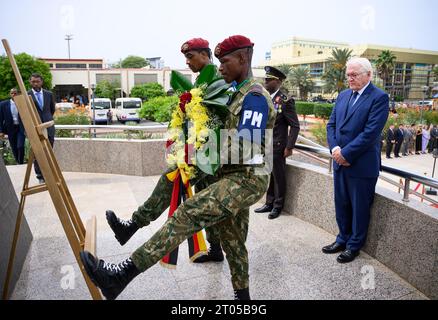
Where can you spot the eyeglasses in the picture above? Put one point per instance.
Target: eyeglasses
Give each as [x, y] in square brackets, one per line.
[355, 75]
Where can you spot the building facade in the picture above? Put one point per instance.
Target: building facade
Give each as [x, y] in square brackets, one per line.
[76, 77]
[412, 72]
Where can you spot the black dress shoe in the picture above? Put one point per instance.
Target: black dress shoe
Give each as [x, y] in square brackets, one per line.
[347, 256]
[264, 209]
[275, 213]
[333, 248]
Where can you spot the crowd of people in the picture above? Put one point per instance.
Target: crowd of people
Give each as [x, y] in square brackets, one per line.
[410, 140]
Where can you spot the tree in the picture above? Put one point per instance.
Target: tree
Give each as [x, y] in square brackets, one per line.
[300, 78]
[106, 89]
[385, 64]
[335, 77]
[135, 62]
[285, 68]
[27, 65]
[148, 91]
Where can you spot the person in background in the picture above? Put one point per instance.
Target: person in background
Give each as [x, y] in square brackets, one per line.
[11, 126]
[425, 139]
[399, 134]
[390, 141]
[418, 139]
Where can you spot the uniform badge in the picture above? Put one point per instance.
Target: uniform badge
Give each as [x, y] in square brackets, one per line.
[278, 104]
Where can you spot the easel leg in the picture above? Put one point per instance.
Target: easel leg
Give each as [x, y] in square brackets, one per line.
[17, 228]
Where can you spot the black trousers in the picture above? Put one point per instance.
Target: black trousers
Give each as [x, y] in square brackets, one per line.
[277, 185]
[388, 149]
[38, 173]
[16, 141]
[397, 148]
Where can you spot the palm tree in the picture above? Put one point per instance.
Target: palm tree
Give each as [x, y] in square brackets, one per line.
[334, 76]
[385, 64]
[285, 68]
[300, 78]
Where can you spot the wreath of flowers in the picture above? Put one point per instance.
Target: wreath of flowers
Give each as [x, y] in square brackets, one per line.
[201, 109]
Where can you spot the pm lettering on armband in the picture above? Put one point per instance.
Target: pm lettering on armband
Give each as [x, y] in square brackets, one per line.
[253, 118]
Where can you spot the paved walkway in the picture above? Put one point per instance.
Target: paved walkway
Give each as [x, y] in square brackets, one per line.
[285, 254]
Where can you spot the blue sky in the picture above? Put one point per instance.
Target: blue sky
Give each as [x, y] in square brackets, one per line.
[115, 29]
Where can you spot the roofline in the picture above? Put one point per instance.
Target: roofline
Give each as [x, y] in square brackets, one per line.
[50, 59]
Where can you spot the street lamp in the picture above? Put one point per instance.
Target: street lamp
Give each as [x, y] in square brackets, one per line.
[93, 88]
[425, 90]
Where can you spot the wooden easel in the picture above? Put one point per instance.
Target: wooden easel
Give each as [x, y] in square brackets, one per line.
[79, 237]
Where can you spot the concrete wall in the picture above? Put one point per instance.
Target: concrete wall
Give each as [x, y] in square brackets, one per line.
[125, 157]
[8, 217]
[402, 236]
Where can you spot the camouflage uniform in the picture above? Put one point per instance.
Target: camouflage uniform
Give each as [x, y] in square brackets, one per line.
[224, 204]
[159, 201]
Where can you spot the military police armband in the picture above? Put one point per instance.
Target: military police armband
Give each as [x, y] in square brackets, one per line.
[253, 117]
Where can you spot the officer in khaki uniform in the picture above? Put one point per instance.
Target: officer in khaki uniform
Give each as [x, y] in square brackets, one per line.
[284, 141]
[198, 55]
[224, 204]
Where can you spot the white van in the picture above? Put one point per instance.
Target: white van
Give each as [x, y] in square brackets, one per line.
[127, 109]
[102, 106]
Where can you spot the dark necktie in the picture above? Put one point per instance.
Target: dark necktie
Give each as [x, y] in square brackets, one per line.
[351, 103]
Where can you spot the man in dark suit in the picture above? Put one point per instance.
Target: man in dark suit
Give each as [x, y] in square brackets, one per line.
[390, 141]
[399, 136]
[353, 134]
[10, 126]
[45, 106]
[283, 139]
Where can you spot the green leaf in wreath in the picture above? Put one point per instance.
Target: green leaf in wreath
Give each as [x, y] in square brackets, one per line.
[216, 88]
[179, 82]
[207, 75]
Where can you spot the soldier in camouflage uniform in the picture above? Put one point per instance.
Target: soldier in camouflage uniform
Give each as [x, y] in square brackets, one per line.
[224, 204]
[198, 55]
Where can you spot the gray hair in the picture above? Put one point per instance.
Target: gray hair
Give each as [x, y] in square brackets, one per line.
[363, 62]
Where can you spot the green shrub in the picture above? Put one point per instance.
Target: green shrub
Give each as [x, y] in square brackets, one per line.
[323, 110]
[73, 117]
[158, 109]
[148, 91]
[304, 108]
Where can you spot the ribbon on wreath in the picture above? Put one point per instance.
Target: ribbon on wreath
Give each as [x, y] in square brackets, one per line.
[182, 191]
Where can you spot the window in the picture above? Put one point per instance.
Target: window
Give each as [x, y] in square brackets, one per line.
[145, 78]
[71, 66]
[95, 66]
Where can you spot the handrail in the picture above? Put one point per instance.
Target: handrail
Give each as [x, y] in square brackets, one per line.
[408, 176]
[159, 127]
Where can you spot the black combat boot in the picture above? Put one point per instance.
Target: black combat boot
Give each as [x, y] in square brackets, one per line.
[242, 294]
[110, 278]
[123, 230]
[214, 254]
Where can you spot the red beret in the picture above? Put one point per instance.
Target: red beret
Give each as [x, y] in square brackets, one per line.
[194, 44]
[232, 44]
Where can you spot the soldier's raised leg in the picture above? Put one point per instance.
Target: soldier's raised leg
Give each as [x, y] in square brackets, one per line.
[220, 201]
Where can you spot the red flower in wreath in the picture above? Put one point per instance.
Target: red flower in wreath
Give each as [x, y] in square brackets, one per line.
[185, 98]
